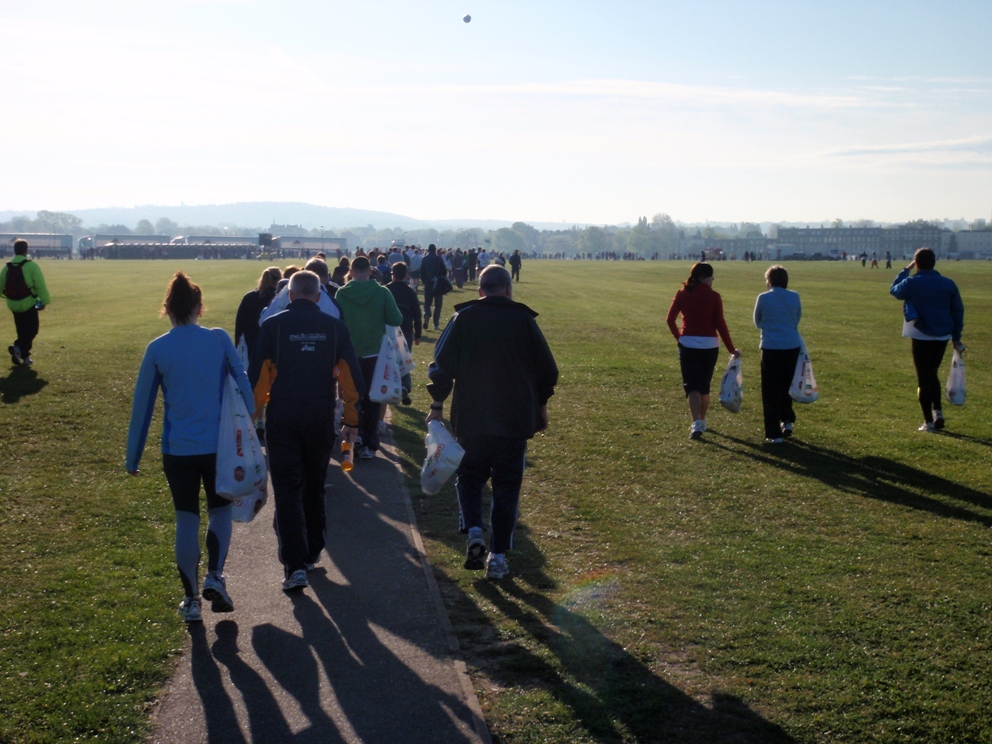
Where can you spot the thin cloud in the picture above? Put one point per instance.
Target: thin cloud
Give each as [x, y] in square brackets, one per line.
[980, 145]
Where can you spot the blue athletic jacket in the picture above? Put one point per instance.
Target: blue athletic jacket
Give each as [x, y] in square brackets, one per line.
[190, 364]
[939, 310]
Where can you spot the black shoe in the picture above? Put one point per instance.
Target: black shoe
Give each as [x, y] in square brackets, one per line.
[15, 355]
[406, 398]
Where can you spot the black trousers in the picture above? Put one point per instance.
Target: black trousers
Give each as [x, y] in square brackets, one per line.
[777, 369]
[26, 324]
[300, 439]
[437, 300]
[368, 414]
[927, 356]
[500, 459]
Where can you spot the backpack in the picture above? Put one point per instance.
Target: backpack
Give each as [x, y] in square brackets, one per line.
[16, 287]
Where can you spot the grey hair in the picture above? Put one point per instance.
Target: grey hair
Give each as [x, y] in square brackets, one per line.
[305, 284]
[494, 278]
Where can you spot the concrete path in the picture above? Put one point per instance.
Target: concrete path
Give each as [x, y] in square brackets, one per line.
[365, 654]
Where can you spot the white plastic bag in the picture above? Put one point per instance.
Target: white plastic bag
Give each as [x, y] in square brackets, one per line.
[387, 382]
[732, 386]
[803, 388]
[241, 467]
[444, 455]
[245, 508]
[955, 380]
[403, 356]
[242, 349]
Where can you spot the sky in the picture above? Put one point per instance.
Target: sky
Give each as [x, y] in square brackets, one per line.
[536, 110]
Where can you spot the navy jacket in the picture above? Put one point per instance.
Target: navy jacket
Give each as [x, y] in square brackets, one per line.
[298, 355]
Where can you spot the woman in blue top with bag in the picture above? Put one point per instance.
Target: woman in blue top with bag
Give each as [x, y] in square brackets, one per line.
[777, 313]
[934, 315]
[190, 364]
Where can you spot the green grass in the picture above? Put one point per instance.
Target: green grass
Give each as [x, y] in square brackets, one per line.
[834, 589]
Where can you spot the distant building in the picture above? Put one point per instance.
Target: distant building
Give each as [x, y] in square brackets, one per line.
[294, 231]
[40, 245]
[972, 244]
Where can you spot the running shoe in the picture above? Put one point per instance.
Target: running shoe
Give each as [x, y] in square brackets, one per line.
[215, 589]
[364, 453]
[296, 581]
[190, 610]
[938, 420]
[497, 567]
[928, 426]
[773, 440]
[697, 429]
[15, 355]
[786, 429]
[476, 551]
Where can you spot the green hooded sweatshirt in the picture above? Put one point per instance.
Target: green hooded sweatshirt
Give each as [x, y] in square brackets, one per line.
[368, 307]
[35, 282]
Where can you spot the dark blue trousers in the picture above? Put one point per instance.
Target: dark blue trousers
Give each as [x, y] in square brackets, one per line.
[501, 461]
[300, 438]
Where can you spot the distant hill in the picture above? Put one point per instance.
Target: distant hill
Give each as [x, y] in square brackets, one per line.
[262, 214]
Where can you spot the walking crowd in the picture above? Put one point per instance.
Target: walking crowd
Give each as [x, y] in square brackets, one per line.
[306, 348]
[305, 351]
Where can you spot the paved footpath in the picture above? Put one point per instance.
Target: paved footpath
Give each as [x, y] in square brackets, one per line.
[364, 655]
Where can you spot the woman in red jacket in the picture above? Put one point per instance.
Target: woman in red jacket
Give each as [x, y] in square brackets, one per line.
[699, 345]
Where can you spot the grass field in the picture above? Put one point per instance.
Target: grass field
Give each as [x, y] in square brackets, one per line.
[833, 589]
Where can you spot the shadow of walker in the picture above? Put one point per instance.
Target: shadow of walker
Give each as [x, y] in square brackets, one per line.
[20, 382]
[872, 477]
[611, 693]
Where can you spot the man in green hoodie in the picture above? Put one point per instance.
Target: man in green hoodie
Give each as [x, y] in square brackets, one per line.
[23, 286]
[367, 307]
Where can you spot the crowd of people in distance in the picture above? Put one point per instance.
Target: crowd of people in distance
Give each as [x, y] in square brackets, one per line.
[305, 349]
[932, 308]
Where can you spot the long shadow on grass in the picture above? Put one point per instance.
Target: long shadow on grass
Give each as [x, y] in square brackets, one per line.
[610, 692]
[20, 382]
[872, 477]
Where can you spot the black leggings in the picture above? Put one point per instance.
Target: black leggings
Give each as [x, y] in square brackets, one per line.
[927, 356]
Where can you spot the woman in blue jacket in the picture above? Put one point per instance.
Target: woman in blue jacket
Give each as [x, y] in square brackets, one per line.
[934, 315]
[190, 364]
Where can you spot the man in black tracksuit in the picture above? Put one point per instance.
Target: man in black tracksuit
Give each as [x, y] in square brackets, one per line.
[495, 357]
[431, 268]
[298, 355]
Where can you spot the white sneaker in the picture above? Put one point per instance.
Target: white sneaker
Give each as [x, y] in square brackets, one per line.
[938, 417]
[215, 589]
[475, 550]
[697, 429]
[364, 453]
[190, 610]
[787, 429]
[928, 427]
[497, 567]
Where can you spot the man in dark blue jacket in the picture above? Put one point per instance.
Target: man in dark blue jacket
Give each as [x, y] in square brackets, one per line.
[495, 358]
[298, 355]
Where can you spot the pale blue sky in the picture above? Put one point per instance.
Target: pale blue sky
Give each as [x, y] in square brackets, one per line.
[548, 111]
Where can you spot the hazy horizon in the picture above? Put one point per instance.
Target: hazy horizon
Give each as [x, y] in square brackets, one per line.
[556, 113]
